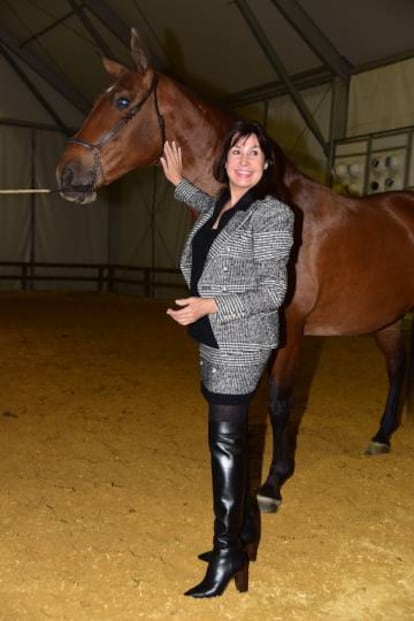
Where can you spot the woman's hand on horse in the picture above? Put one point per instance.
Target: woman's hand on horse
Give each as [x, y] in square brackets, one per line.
[192, 308]
[172, 162]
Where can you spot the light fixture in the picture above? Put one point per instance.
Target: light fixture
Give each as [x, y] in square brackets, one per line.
[354, 170]
[392, 162]
[341, 171]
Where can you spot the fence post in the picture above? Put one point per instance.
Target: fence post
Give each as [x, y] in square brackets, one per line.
[147, 282]
[24, 276]
[110, 278]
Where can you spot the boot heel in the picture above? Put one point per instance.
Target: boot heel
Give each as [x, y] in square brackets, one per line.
[251, 550]
[241, 579]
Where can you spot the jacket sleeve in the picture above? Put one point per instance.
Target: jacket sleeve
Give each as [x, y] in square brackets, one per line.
[272, 241]
[192, 196]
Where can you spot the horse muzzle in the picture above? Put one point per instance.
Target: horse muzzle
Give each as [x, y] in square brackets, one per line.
[76, 183]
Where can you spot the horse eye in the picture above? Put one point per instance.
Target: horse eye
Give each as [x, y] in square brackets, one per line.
[122, 103]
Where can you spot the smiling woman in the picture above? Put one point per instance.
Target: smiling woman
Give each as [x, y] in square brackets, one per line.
[245, 165]
[235, 264]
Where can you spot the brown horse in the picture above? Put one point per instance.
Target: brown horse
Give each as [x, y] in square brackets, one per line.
[352, 271]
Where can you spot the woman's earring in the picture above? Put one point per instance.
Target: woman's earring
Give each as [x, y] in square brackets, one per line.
[266, 165]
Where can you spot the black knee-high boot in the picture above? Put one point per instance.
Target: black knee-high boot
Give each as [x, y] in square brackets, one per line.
[250, 532]
[228, 449]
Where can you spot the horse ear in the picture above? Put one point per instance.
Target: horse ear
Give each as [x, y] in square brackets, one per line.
[114, 69]
[139, 52]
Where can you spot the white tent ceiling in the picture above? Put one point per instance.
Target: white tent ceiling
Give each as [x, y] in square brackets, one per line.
[54, 46]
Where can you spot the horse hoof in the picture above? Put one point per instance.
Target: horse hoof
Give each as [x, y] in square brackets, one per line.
[267, 505]
[377, 448]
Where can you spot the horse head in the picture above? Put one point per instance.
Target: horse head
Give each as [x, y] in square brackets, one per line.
[123, 131]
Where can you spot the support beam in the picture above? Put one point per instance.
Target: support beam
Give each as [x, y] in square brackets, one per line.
[270, 90]
[38, 95]
[278, 66]
[48, 28]
[64, 88]
[19, 123]
[339, 115]
[111, 19]
[314, 37]
[101, 44]
[339, 111]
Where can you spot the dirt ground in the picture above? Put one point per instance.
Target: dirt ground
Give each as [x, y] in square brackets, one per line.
[105, 485]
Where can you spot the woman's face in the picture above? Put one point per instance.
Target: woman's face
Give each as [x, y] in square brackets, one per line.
[245, 163]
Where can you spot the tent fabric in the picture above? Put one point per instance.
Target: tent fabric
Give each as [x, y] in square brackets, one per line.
[382, 99]
[136, 222]
[15, 171]
[210, 45]
[51, 69]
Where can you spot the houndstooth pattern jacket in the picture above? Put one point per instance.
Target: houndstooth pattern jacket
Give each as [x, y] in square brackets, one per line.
[245, 270]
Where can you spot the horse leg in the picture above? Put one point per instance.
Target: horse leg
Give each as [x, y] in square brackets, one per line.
[391, 343]
[282, 465]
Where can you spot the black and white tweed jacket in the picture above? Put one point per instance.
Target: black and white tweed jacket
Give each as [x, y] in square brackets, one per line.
[245, 270]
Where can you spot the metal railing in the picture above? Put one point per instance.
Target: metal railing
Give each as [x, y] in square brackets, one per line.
[106, 277]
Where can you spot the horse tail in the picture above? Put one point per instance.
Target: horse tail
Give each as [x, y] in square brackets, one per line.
[410, 370]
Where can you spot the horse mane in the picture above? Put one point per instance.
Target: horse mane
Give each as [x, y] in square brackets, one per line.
[288, 174]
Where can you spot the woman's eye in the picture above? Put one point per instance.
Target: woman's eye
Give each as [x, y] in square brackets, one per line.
[122, 102]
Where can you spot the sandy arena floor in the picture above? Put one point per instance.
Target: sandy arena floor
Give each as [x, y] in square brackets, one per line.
[105, 495]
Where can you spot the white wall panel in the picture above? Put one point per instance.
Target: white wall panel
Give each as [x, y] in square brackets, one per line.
[382, 99]
[147, 226]
[15, 210]
[45, 228]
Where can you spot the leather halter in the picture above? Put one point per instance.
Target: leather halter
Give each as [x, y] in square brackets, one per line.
[96, 148]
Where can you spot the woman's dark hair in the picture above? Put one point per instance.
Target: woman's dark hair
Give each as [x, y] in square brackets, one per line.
[271, 182]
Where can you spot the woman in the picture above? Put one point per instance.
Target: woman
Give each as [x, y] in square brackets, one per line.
[235, 263]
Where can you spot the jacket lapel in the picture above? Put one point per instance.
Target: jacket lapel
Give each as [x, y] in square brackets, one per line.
[221, 241]
[238, 220]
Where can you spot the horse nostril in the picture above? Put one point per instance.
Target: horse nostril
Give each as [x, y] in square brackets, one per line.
[75, 177]
[67, 176]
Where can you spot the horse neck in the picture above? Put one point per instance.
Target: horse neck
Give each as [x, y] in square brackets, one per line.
[303, 190]
[198, 127]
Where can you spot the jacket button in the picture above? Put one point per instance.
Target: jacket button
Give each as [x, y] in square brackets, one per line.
[224, 289]
[225, 269]
[214, 370]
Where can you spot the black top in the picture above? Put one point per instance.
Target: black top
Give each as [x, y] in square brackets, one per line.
[201, 329]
